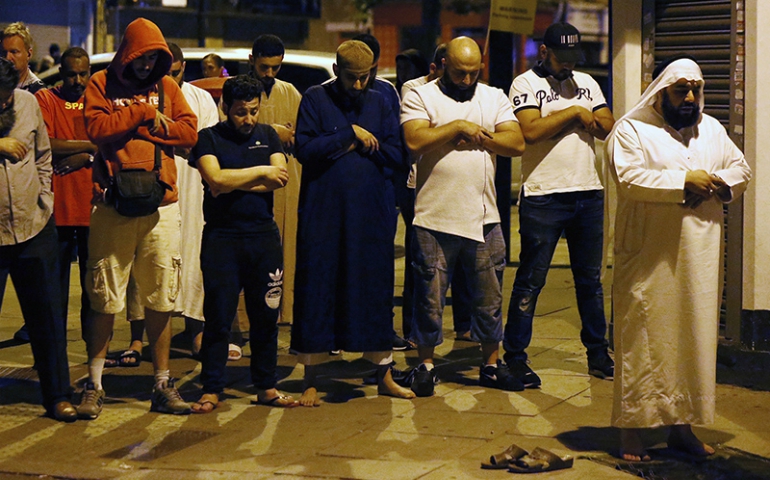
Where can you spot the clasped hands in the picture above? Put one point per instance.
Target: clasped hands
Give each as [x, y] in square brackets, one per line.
[471, 134]
[700, 185]
[365, 141]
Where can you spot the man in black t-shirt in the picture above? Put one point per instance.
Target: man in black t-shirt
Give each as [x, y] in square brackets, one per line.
[241, 163]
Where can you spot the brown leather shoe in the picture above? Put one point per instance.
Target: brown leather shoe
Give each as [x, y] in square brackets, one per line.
[65, 412]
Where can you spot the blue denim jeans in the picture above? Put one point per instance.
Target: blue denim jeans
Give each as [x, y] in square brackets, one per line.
[435, 256]
[542, 220]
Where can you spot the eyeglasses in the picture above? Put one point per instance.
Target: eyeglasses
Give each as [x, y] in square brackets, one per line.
[175, 73]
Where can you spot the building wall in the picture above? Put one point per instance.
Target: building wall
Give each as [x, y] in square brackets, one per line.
[756, 248]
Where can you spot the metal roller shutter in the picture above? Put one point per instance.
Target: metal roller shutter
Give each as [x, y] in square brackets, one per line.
[712, 31]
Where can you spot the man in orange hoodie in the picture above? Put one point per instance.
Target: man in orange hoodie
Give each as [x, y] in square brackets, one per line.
[122, 118]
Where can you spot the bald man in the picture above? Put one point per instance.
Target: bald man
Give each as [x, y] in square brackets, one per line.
[348, 143]
[455, 127]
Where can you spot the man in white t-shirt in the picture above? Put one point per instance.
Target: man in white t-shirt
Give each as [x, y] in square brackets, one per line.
[455, 127]
[461, 303]
[561, 111]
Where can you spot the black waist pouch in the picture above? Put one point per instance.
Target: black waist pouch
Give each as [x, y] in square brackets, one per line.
[137, 192]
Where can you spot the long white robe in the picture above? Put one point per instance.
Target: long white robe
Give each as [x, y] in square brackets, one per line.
[668, 269]
[281, 108]
[190, 299]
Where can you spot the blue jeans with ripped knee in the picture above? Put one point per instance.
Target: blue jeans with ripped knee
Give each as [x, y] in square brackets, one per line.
[435, 257]
[542, 221]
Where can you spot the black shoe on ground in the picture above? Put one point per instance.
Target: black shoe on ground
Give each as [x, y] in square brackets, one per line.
[400, 344]
[499, 377]
[22, 335]
[519, 369]
[421, 381]
[602, 367]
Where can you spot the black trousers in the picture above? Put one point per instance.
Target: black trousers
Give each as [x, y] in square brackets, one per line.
[34, 269]
[229, 263]
[74, 240]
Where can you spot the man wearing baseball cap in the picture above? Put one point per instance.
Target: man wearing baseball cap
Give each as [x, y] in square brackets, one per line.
[560, 111]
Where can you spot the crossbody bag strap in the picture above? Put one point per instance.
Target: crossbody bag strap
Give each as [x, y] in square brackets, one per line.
[160, 109]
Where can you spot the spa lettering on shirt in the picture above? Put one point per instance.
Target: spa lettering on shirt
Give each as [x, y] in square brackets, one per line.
[73, 105]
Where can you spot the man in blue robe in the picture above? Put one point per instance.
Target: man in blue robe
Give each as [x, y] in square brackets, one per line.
[348, 143]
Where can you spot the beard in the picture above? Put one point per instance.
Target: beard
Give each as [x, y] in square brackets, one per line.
[685, 115]
[456, 92]
[7, 120]
[562, 75]
[267, 82]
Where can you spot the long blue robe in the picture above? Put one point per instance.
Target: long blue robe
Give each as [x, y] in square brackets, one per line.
[344, 279]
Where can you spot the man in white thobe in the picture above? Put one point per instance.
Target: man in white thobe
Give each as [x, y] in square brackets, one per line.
[190, 300]
[674, 167]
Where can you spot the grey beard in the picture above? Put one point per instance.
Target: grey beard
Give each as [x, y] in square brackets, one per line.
[7, 120]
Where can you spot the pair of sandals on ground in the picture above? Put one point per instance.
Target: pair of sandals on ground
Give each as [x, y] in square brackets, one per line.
[517, 460]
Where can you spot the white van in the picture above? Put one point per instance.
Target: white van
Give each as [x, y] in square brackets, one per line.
[302, 68]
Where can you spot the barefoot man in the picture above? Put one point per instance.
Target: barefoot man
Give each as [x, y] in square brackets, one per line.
[348, 143]
[674, 167]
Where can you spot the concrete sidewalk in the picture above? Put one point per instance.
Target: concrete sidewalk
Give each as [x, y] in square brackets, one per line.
[356, 434]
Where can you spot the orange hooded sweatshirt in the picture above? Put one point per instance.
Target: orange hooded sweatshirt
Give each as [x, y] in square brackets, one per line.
[120, 108]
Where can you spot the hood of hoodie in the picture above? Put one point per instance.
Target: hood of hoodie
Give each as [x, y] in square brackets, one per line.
[140, 37]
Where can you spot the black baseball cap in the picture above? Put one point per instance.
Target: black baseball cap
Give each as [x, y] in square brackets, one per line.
[564, 40]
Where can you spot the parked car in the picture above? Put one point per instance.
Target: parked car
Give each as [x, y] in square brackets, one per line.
[302, 68]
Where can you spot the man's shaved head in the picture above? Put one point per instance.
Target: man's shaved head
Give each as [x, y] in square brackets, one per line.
[354, 56]
[462, 68]
[463, 50]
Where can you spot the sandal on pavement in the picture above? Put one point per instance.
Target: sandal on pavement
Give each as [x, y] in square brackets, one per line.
[540, 460]
[503, 459]
[281, 401]
[126, 358]
[234, 353]
[201, 406]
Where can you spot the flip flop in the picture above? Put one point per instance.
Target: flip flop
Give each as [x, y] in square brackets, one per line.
[202, 404]
[120, 359]
[503, 459]
[281, 401]
[540, 460]
[234, 353]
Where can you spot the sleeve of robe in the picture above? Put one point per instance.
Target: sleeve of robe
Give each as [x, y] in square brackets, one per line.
[734, 171]
[313, 143]
[391, 154]
[635, 178]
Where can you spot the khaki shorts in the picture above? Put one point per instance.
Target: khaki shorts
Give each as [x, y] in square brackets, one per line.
[149, 245]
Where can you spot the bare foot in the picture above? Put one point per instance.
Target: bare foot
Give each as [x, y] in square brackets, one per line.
[388, 386]
[206, 404]
[310, 398]
[682, 438]
[631, 448]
